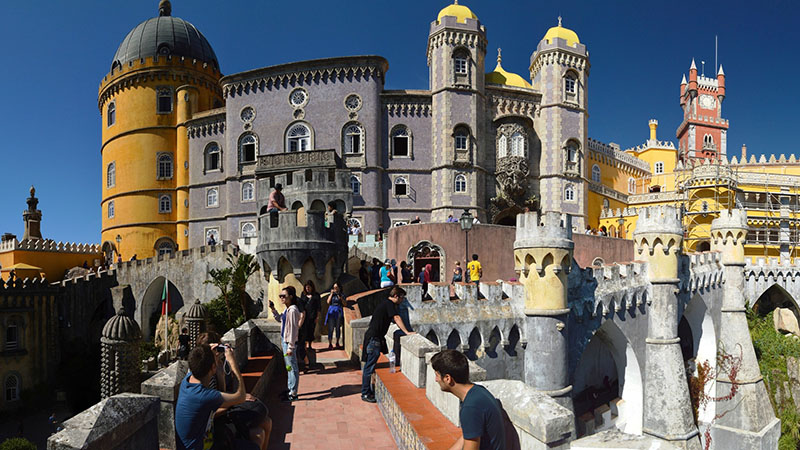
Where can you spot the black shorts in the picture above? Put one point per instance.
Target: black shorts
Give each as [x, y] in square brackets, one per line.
[248, 415]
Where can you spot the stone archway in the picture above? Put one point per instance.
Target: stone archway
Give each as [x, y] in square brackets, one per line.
[424, 253]
[149, 307]
[609, 369]
[109, 252]
[775, 297]
[702, 347]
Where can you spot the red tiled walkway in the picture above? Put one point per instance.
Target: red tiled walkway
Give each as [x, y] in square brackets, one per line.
[329, 413]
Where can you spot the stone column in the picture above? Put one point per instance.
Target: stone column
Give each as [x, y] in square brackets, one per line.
[542, 257]
[667, 407]
[748, 420]
[195, 321]
[120, 363]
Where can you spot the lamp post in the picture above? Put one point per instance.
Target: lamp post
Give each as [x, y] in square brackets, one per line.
[119, 240]
[466, 224]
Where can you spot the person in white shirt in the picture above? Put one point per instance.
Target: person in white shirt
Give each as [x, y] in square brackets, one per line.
[290, 329]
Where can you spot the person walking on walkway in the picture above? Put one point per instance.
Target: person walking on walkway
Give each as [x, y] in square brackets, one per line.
[475, 270]
[386, 274]
[335, 316]
[482, 424]
[375, 338]
[309, 297]
[290, 330]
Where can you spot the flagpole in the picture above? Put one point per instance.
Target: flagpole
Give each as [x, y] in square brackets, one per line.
[166, 321]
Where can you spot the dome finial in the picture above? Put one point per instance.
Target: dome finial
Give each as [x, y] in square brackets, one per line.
[164, 8]
[499, 55]
[455, 2]
[559, 20]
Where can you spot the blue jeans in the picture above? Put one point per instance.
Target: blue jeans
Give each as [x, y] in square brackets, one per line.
[294, 374]
[334, 324]
[373, 352]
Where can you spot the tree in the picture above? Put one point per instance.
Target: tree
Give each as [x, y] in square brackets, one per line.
[17, 444]
[221, 278]
[242, 268]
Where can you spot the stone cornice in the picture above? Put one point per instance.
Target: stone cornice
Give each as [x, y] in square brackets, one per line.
[156, 73]
[561, 57]
[506, 103]
[304, 72]
[453, 38]
[205, 126]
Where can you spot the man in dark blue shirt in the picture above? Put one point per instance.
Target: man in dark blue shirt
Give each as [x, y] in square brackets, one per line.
[482, 426]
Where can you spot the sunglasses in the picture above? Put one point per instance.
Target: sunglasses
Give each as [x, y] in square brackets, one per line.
[282, 296]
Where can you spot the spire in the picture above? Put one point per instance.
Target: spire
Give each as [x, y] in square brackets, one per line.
[164, 8]
[693, 66]
[683, 80]
[499, 56]
[559, 20]
[720, 72]
[455, 2]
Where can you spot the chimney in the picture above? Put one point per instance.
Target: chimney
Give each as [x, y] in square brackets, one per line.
[653, 126]
[744, 152]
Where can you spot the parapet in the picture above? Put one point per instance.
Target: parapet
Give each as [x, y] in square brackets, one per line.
[662, 219]
[731, 219]
[548, 230]
[49, 245]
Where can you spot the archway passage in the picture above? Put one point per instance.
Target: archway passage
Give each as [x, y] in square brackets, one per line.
[508, 216]
[426, 253]
[608, 374]
[148, 310]
[775, 297]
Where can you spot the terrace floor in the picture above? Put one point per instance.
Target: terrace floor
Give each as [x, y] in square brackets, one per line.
[329, 412]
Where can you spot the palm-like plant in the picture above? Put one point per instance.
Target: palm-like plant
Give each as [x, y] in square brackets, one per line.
[242, 268]
[221, 278]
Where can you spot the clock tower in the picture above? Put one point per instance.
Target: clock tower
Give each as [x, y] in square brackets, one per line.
[703, 133]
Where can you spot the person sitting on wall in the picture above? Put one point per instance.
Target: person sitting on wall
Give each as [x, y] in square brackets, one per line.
[276, 202]
[416, 220]
[197, 403]
[451, 219]
[482, 423]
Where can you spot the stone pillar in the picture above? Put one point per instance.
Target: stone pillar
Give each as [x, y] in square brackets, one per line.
[120, 362]
[195, 321]
[748, 420]
[186, 102]
[542, 257]
[667, 407]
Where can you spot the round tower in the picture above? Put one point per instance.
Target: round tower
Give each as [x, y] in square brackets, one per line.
[456, 57]
[667, 407]
[163, 72]
[543, 257]
[120, 361]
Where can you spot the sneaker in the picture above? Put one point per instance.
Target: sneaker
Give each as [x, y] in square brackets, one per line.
[368, 398]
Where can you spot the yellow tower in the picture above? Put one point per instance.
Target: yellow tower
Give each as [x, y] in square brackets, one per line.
[163, 72]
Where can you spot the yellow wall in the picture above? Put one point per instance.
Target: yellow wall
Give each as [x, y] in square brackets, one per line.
[134, 142]
[53, 264]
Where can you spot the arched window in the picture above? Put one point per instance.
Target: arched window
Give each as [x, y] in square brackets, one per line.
[571, 87]
[353, 139]
[354, 224]
[596, 173]
[708, 142]
[111, 114]
[605, 203]
[517, 144]
[164, 166]
[12, 388]
[248, 148]
[569, 193]
[12, 337]
[111, 209]
[659, 168]
[461, 139]
[166, 247]
[212, 198]
[111, 174]
[401, 141]
[248, 230]
[631, 185]
[572, 157]
[248, 191]
[461, 183]
[165, 204]
[213, 157]
[400, 187]
[502, 146]
[355, 184]
[298, 138]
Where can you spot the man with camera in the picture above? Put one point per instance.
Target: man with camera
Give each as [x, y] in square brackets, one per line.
[197, 402]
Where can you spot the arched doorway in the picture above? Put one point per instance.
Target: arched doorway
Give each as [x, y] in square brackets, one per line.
[704, 246]
[427, 253]
[109, 252]
[508, 216]
[775, 297]
[608, 369]
[149, 308]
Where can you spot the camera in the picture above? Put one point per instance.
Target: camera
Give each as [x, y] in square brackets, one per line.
[221, 348]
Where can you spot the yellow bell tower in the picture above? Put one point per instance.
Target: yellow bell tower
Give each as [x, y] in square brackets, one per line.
[163, 73]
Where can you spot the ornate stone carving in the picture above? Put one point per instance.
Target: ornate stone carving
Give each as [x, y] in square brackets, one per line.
[512, 179]
[296, 160]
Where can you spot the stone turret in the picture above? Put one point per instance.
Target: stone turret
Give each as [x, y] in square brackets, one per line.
[542, 257]
[120, 362]
[749, 421]
[196, 321]
[667, 406]
[33, 218]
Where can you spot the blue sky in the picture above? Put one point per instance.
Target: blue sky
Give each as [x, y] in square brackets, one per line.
[56, 52]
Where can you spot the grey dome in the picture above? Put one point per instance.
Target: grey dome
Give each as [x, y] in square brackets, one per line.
[165, 35]
[122, 328]
[197, 311]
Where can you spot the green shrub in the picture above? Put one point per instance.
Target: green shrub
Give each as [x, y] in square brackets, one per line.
[218, 316]
[148, 349]
[17, 444]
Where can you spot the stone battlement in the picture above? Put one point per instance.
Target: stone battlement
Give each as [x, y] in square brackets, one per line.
[614, 152]
[619, 287]
[197, 252]
[550, 229]
[49, 245]
[730, 219]
[705, 271]
[87, 278]
[661, 219]
[13, 286]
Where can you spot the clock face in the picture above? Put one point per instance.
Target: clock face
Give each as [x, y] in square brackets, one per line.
[708, 102]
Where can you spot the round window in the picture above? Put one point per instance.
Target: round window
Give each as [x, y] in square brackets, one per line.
[352, 102]
[298, 97]
[248, 114]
